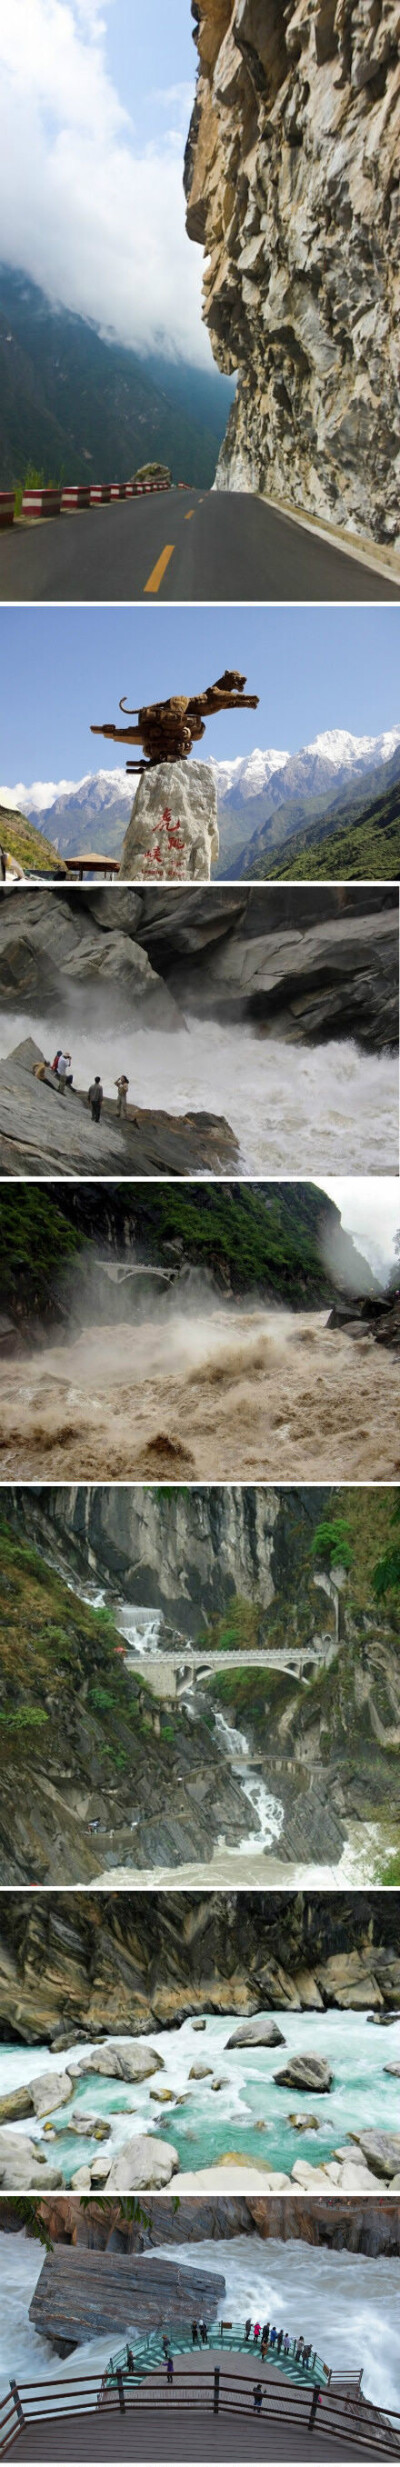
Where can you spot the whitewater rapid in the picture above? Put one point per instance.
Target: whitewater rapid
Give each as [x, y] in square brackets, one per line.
[212, 1394]
[347, 2305]
[293, 1108]
[251, 2112]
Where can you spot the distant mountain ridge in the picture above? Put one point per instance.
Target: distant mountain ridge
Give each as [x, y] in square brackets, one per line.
[79, 407]
[283, 797]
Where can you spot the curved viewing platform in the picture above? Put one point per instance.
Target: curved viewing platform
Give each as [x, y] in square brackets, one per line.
[116, 2418]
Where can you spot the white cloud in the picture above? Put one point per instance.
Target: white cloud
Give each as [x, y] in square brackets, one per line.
[92, 216]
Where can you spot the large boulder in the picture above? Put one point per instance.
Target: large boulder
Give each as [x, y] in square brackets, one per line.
[143, 2163]
[382, 2152]
[124, 2063]
[23, 2168]
[50, 2090]
[307, 2072]
[261, 2031]
[173, 834]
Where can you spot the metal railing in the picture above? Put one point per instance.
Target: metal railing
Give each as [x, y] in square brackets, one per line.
[350, 2418]
[149, 2352]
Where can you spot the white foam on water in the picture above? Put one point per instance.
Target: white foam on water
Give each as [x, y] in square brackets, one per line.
[293, 1108]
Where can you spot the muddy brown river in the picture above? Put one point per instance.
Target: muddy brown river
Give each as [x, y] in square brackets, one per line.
[249, 1395]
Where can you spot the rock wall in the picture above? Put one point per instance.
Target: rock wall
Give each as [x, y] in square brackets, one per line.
[186, 1551]
[292, 186]
[370, 2227]
[127, 1962]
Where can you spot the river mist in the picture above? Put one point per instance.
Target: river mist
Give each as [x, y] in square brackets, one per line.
[293, 1108]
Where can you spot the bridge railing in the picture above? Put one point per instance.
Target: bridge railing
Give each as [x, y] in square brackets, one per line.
[347, 2419]
[148, 2352]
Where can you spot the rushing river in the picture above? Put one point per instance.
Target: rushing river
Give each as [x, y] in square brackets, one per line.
[205, 1394]
[293, 1108]
[210, 2123]
[347, 2305]
[254, 1860]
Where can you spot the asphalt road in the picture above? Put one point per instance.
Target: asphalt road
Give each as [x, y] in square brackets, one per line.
[180, 547]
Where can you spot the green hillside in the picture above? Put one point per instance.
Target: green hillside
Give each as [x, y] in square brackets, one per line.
[30, 847]
[366, 850]
[76, 408]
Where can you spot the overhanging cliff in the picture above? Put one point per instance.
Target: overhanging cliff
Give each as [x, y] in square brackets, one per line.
[291, 179]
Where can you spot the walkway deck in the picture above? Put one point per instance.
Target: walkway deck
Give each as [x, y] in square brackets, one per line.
[180, 2424]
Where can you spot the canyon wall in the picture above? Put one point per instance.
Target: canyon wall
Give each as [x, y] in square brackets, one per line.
[129, 1962]
[292, 188]
[186, 1552]
[370, 2227]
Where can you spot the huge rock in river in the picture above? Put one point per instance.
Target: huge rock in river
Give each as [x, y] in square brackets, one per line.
[307, 2072]
[82, 2295]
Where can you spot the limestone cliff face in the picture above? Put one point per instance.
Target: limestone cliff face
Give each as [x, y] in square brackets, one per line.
[194, 1549]
[368, 2227]
[292, 187]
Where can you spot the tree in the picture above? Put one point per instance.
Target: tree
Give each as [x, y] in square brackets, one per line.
[332, 1543]
[386, 1573]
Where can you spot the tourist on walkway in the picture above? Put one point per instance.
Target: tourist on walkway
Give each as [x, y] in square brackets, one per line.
[286, 2344]
[95, 1098]
[299, 2351]
[247, 2328]
[265, 2334]
[170, 2371]
[257, 2330]
[272, 2336]
[166, 2344]
[257, 2398]
[122, 1085]
[203, 2332]
[279, 2342]
[195, 2334]
[130, 2361]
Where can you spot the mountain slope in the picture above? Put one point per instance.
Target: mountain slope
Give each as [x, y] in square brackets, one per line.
[366, 849]
[82, 408]
[322, 780]
[32, 850]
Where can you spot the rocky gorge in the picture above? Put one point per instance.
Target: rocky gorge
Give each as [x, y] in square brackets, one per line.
[276, 998]
[292, 191]
[300, 1975]
[251, 1688]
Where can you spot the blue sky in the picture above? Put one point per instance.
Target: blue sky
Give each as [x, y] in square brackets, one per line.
[312, 668]
[95, 103]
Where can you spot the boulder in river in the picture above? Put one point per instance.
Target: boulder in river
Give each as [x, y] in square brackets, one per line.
[382, 2152]
[23, 2167]
[307, 2072]
[261, 2031]
[143, 2163]
[83, 2294]
[129, 2063]
[50, 2090]
[200, 2072]
[304, 2124]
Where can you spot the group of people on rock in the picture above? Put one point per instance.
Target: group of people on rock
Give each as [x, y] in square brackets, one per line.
[64, 1076]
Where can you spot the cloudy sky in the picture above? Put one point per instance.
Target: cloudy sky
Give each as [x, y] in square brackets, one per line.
[60, 670]
[95, 101]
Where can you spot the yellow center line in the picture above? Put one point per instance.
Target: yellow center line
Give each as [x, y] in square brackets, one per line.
[155, 578]
[189, 517]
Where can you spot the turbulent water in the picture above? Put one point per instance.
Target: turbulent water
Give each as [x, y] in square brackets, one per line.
[293, 1108]
[248, 2115]
[211, 1395]
[347, 2306]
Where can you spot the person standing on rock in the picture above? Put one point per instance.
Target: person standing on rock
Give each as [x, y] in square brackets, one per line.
[122, 1085]
[64, 1073]
[95, 1098]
